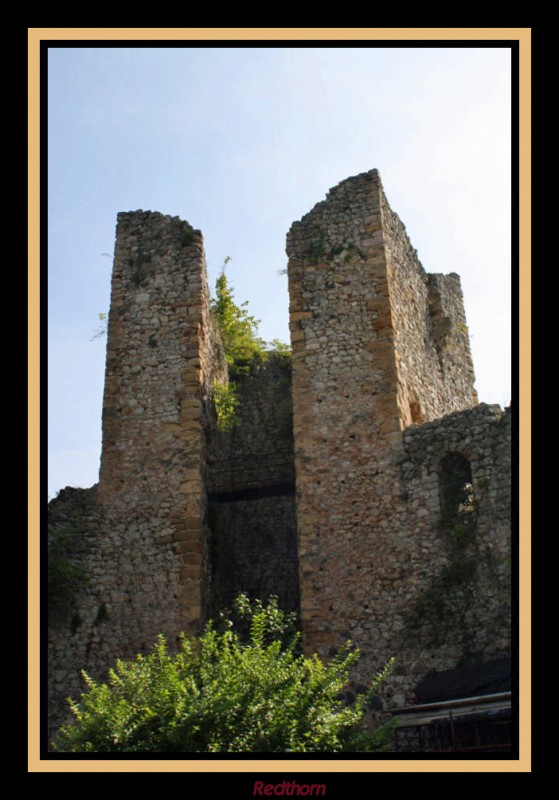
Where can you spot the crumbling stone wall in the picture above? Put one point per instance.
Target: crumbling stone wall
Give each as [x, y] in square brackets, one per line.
[144, 534]
[378, 344]
[251, 484]
[345, 410]
[431, 343]
[161, 360]
[362, 484]
[258, 450]
[461, 587]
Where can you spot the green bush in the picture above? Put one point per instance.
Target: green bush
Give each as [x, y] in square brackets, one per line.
[242, 347]
[239, 330]
[245, 690]
[226, 401]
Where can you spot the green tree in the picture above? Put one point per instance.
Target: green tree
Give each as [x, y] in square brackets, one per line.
[245, 690]
[239, 330]
[242, 346]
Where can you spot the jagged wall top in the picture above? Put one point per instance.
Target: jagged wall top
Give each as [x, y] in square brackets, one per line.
[350, 251]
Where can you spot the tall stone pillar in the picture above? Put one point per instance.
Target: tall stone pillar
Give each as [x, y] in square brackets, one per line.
[377, 345]
[159, 356]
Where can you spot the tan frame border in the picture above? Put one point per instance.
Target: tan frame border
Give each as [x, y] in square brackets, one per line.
[523, 37]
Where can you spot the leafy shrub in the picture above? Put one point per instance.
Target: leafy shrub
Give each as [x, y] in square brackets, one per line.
[239, 330]
[243, 347]
[249, 690]
[226, 401]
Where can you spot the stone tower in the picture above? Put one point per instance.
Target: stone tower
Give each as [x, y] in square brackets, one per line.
[161, 357]
[378, 346]
[362, 484]
[140, 535]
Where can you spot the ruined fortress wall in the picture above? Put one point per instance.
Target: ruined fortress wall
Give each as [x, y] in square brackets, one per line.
[145, 529]
[461, 606]
[363, 323]
[457, 581]
[432, 347]
[346, 417]
[251, 485]
[254, 550]
[257, 452]
[159, 368]
[392, 534]
[75, 624]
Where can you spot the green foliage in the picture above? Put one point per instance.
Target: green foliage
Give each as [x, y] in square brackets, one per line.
[239, 330]
[254, 619]
[187, 236]
[277, 348]
[446, 598]
[226, 400]
[64, 579]
[227, 691]
[243, 348]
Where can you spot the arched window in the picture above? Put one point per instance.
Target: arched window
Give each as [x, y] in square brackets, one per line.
[456, 488]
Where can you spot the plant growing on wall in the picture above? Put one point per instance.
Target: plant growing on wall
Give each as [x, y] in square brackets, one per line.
[242, 346]
[245, 690]
[239, 330]
[226, 401]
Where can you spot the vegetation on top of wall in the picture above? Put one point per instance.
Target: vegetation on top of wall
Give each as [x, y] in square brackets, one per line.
[226, 691]
[238, 328]
[188, 234]
[242, 345]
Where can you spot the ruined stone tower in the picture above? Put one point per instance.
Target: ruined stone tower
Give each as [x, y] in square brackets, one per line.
[363, 484]
[160, 362]
[379, 346]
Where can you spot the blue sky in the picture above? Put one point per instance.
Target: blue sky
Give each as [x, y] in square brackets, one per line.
[241, 142]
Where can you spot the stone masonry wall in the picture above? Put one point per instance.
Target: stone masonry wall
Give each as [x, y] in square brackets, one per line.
[360, 485]
[251, 482]
[258, 451]
[461, 607]
[432, 347]
[364, 322]
[160, 363]
[346, 416]
[254, 550]
[143, 540]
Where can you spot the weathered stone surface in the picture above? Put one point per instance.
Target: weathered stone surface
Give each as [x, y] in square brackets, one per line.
[393, 351]
[140, 556]
[335, 490]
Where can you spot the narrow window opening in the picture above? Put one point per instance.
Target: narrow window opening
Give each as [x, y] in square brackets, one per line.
[457, 492]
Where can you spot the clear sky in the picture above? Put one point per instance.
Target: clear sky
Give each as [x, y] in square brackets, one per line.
[241, 142]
